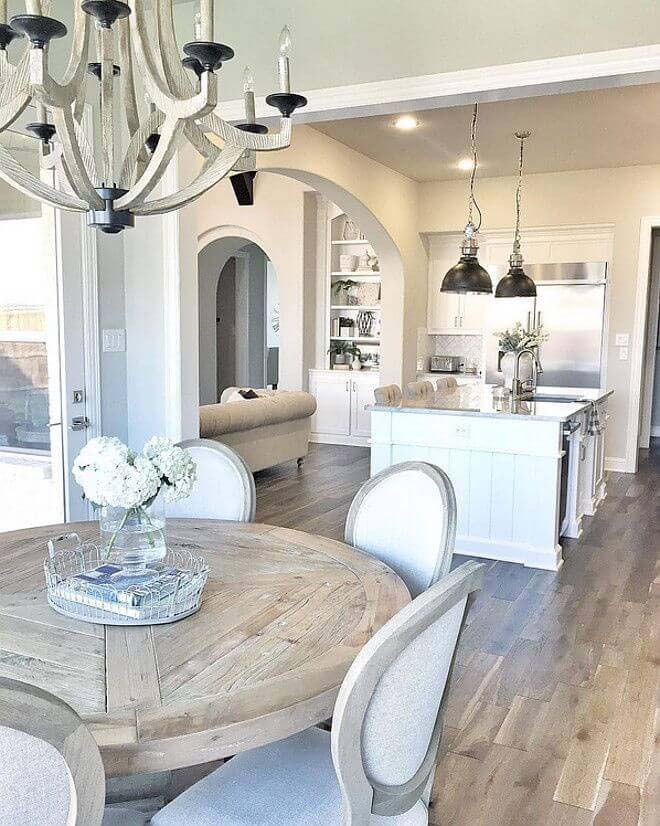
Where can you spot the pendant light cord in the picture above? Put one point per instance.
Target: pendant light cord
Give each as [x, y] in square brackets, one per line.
[522, 136]
[472, 202]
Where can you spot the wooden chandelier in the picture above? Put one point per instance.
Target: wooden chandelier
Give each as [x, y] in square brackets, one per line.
[181, 100]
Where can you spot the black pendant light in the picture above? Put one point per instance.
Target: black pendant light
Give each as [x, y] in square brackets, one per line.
[515, 283]
[468, 276]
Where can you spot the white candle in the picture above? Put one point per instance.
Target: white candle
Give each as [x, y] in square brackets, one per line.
[41, 113]
[197, 26]
[283, 71]
[3, 11]
[248, 95]
[206, 9]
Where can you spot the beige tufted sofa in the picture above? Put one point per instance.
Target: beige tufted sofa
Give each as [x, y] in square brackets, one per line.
[266, 431]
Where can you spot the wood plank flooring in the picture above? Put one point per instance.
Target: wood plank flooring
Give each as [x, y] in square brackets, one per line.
[553, 715]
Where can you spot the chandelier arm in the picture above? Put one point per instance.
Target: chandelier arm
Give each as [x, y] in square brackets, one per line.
[176, 76]
[77, 65]
[208, 178]
[153, 121]
[167, 145]
[195, 135]
[65, 126]
[196, 106]
[15, 94]
[248, 140]
[126, 78]
[17, 176]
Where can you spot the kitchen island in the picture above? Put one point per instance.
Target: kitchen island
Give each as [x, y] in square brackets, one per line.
[525, 472]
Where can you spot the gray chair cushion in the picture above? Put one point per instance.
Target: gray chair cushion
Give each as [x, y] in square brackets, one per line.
[35, 782]
[124, 817]
[289, 783]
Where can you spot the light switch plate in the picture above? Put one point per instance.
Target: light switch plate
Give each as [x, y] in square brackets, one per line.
[114, 341]
[623, 354]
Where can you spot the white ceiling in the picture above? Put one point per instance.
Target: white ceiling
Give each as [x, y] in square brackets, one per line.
[580, 130]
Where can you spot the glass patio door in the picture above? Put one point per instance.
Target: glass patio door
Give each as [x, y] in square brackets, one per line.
[41, 362]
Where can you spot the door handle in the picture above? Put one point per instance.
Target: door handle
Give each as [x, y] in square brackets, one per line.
[79, 423]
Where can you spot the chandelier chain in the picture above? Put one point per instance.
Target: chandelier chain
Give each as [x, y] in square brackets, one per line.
[522, 137]
[472, 202]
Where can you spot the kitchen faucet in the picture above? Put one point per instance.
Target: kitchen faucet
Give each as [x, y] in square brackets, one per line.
[518, 390]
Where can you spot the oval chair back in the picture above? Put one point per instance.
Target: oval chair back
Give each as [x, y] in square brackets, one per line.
[406, 516]
[387, 721]
[420, 390]
[388, 394]
[224, 488]
[51, 771]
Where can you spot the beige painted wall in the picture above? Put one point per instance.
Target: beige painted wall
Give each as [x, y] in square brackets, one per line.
[617, 196]
[275, 223]
[347, 42]
[384, 204]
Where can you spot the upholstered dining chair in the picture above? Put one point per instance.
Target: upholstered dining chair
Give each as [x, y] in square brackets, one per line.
[446, 383]
[377, 765]
[51, 772]
[406, 516]
[388, 394]
[419, 390]
[224, 488]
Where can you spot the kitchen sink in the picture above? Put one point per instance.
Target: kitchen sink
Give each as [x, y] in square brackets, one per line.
[547, 397]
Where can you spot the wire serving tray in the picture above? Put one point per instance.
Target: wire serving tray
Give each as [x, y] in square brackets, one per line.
[143, 603]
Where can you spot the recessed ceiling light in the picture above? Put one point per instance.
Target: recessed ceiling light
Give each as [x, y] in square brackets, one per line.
[465, 164]
[406, 122]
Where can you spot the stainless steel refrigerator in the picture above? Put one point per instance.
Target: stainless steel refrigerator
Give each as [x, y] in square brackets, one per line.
[570, 303]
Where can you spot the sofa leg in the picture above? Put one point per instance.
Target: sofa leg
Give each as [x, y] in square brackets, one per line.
[299, 461]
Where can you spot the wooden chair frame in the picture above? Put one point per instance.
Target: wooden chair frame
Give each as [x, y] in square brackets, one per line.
[26, 708]
[244, 472]
[446, 490]
[361, 796]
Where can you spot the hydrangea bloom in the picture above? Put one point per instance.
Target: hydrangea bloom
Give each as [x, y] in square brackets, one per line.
[110, 474]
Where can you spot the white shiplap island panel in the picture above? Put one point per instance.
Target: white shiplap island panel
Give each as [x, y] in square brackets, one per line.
[506, 468]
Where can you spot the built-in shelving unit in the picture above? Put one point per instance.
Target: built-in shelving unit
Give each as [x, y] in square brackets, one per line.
[366, 295]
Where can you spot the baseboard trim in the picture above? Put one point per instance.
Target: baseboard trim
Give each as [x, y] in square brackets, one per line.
[618, 464]
[530, 557]
[331, 439]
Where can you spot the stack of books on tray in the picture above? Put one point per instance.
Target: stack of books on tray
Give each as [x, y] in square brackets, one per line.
[109, 588]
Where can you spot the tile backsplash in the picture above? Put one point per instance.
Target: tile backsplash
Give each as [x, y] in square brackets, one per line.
[467, 346]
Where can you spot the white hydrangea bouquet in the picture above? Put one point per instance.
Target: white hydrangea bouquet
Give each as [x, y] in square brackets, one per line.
[517, 338]
[130, 489]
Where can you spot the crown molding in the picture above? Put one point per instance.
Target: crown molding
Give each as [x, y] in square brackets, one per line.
[640, 64]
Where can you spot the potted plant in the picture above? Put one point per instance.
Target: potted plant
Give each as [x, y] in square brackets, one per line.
[343, 352]
[511, 341]
[342, 288]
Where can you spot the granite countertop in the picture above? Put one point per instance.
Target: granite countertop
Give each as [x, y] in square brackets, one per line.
[478, 400]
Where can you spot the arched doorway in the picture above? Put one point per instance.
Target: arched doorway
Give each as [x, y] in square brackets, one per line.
[238, 317]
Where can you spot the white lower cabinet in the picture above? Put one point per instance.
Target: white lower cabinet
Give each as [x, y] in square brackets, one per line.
[341, 398]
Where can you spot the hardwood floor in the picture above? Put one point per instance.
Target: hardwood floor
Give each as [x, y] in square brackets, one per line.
[552, 716]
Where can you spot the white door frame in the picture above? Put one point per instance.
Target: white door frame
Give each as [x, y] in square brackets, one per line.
[638, 369]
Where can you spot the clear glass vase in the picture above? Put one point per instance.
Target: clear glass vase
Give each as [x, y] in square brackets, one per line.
[134, 538]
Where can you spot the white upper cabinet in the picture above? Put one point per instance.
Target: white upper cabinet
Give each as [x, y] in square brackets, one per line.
[474, 309]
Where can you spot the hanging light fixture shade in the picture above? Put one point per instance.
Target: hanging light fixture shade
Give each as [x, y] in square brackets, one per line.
[468, 276]
[516, 284]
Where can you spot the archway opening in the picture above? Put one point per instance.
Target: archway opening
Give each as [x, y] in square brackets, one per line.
[238, 317]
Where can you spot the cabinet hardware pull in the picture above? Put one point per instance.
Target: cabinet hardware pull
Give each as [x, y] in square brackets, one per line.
[455, 321]
[348, 386]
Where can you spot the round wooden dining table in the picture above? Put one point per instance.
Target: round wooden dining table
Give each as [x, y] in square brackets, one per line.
[283, 615]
